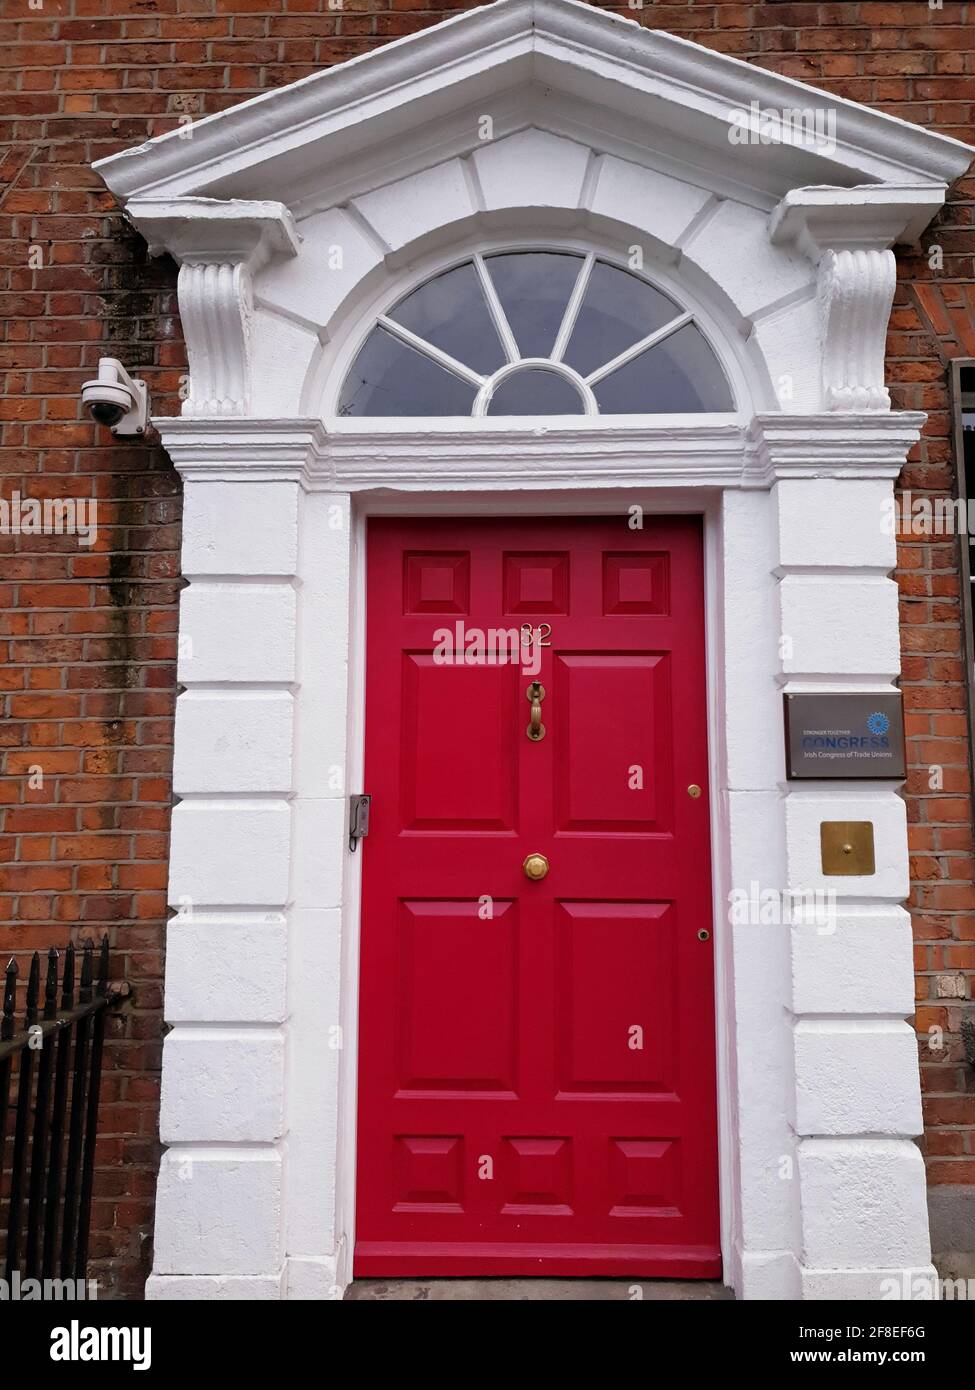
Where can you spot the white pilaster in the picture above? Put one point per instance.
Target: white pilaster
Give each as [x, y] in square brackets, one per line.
[220, 1205]
[855, 1102]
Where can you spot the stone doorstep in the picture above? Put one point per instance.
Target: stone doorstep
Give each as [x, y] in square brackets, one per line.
[533, 1290]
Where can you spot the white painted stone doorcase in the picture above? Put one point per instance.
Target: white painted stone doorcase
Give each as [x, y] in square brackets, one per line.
[296, 219]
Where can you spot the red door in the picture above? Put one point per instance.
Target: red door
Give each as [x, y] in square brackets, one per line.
[536, 1075]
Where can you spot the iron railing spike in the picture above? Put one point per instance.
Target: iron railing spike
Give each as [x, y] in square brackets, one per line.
[67, 979]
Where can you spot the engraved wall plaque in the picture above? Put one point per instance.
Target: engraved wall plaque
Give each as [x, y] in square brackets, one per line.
[851, 736]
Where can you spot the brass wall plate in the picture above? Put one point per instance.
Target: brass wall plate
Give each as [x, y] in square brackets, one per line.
[846, 847]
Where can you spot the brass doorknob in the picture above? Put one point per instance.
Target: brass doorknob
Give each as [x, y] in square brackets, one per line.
[535, 866]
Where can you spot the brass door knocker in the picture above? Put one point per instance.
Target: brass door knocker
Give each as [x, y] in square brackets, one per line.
[536, 693]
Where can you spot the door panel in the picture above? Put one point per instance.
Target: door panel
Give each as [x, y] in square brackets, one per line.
[612, 959]
[537, 1073]
[609, 769]
[470, 784]
[440, 940]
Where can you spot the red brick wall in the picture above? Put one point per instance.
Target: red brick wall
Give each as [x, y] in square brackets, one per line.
[87, 635]
[932, 323]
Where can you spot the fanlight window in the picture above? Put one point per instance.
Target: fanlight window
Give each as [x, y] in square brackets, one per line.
[535, 333]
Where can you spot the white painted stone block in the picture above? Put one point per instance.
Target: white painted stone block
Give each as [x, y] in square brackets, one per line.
[853, 962]
[240, 528]
[226, 970]
[788, 342]
[833, 625]
[869, 1285]
[233, 741]
[222, 1085]
[733, 249]
[313, 1279]
[230, 853]
[856, 1076]
[215, 1288]
[804, 814]
[531, 169]
[646, 199]
[835, 522]
[218, 1211]
[863, 1204]
[770, 1276]
[283, 357]
[421, 203]
[335, 254]
[236, 632]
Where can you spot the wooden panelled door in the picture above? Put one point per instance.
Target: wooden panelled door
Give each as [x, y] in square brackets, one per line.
[536, 1054]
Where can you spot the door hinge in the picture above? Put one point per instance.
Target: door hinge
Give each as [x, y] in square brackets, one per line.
[358, 818]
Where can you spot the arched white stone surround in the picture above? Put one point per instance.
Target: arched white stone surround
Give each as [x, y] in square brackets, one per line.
[298, 217]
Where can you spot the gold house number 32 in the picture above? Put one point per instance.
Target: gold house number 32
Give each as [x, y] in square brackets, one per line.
[539, 634]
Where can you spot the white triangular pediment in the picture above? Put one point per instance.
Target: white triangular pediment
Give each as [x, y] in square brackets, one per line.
[555, 64]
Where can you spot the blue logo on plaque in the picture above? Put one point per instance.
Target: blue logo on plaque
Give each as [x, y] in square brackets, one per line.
[878, 723]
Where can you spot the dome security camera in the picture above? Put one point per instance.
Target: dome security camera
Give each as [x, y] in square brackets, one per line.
[115, 399]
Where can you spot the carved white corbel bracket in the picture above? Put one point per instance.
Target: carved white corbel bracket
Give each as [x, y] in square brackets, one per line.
[847, 233]
[219, 246]
[856, 291]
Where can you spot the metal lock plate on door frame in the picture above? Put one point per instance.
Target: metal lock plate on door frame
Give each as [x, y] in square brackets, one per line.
[358, 818]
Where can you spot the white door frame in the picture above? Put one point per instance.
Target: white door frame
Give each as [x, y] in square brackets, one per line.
[782, 1100]
[543, 506]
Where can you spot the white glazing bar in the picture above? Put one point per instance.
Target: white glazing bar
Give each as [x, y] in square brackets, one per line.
[573, 307]
[649, 341]
[443, 359]
[511, 349]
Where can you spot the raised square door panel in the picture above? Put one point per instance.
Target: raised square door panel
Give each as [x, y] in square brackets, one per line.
[536, 584]
[436, 582]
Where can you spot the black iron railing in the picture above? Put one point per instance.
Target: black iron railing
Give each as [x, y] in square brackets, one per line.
[50, 1074]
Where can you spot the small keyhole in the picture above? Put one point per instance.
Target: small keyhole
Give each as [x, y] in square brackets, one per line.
[704, 934]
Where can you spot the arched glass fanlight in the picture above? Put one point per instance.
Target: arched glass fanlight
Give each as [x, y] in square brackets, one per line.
[535, 333]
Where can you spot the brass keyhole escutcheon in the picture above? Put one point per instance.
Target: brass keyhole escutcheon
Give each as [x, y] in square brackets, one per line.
[694, 791]
[704, 934]
[536, 729]
[535, 866]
